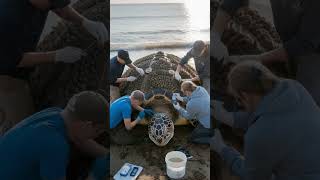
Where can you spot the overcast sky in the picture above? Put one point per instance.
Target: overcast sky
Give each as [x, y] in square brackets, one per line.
[144, 1]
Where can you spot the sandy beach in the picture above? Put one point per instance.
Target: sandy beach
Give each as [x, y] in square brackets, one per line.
[152, 157]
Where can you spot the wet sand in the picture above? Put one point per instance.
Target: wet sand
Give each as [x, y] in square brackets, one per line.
[151, 157]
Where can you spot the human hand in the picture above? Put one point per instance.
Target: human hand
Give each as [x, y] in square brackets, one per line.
[177, 106]
[149, 112]
[97, 29]
[217, 143]
[140, 71]
[131, 78]
[177, 76]
[68, 54]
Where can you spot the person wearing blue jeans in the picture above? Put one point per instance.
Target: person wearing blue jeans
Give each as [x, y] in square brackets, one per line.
[281, 123]
[39, 147]
[120, 116]
[198, 107]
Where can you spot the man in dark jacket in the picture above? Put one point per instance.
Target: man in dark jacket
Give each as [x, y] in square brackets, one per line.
[295, 21]
[200, 52]
[117, 65]
[282, 127]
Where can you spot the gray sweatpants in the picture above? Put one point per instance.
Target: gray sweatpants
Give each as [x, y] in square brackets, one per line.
[308, 73]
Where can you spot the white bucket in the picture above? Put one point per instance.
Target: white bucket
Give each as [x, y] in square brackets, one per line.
[176, 164]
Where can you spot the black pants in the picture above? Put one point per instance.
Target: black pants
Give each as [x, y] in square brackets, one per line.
[201, 135]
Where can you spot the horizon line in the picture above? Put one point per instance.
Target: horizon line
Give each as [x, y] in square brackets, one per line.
[147, 3]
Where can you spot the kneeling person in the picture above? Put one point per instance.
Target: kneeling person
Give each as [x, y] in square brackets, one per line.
[121, 111]
[38, 147]
[282, 126]
[198, 107]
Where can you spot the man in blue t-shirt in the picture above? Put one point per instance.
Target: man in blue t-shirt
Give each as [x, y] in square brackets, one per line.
[121, 110]
[38, 147]
[120, 117]
[117, 65]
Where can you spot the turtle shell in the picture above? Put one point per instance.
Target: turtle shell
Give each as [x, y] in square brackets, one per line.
[54, 84]
[160, 77]
[159, 83]
[247, 33]
[161, 129]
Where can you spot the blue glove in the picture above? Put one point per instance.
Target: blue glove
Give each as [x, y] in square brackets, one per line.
[149, 112]
[231, 6]
[141, 115]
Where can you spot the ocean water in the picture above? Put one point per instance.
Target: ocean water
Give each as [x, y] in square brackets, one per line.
[147, 28]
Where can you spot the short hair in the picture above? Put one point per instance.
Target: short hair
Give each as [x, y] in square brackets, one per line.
[89, 106]
[251, 77]
[138, 95]
[188, 86]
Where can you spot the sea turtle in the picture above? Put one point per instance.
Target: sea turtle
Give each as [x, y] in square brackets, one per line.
[54, 84]
[159, 84]
[247, 33]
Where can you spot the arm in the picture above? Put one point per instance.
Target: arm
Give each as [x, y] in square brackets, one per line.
[139, 70]
[234, 160]
[184, 61]
[196, 78]
[256, 164]
[34, 58]
[119, 80]
[139, 108]
[132, 66]
[179, 67]
[221, 21]
[277, 55]
[126, 114]
[69, 14]
[92, 148]
[129, 125]
[187, 113]
[96, 29]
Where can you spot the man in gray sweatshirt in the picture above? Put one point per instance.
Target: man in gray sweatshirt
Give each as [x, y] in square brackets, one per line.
[198, 107]
[282, 123]
[296, 23]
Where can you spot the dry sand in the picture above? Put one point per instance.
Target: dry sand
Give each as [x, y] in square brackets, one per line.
[151, 157]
